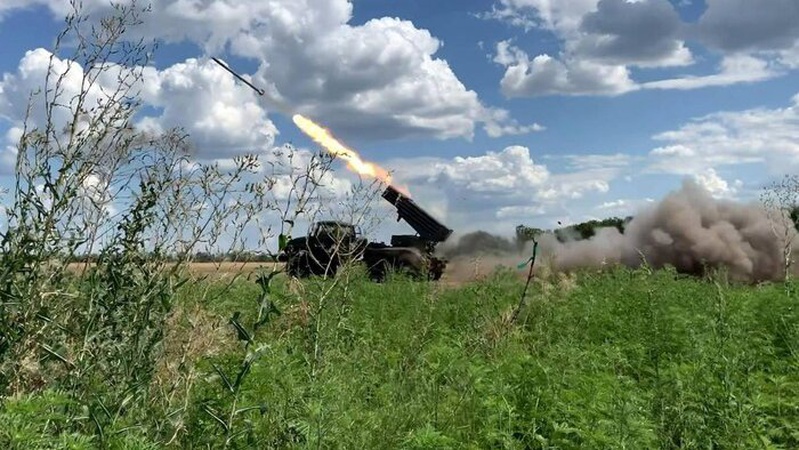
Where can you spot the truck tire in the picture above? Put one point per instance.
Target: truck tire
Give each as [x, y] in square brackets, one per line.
[297, 265]
[378, 271]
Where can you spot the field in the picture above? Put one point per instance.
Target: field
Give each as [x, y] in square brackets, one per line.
[623, 359]
[134, 352]
[225, 269]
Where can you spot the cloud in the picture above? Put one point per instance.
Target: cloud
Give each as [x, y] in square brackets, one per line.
[603, 39]
[622, 207]
[743, 25]
[222, 119]
[603, 33]
[574, 186]
[510, 172]
[380, 79]
[734, 69]
[96, 195]
[7, 6]
[16, 88]
[598, 161]
[520, 212]
[8, 154]
[790, 57]
[644, 33]
[560, 16]
[545, 75]
[501, 124]
[758, 135]
[614, 204]
[715, 185]
[488, 190]
[675, 151]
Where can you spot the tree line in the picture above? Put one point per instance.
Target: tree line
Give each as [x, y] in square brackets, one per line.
[580, 231]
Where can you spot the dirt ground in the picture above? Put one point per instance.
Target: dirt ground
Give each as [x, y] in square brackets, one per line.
[458, 271]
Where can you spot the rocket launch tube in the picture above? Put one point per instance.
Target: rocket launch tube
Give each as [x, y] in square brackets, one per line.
[428, 227]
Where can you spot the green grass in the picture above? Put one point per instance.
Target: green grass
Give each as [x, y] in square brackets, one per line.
[625, 359]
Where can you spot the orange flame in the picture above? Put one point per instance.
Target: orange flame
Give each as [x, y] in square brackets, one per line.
[326, 140]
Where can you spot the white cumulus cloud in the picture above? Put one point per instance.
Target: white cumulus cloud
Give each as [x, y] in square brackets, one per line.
[717, 186]
[622, 207]
[757, 135]
[545, 75]
[200, 97]
[379, 79]
[602, 40]
[733, 69]
[509, 171]
[222, 119]
[487, 191]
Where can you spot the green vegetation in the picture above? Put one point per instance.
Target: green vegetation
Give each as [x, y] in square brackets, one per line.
[576, 232]
[625, 359]
[135, 352]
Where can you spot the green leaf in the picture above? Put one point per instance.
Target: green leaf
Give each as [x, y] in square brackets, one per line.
[242, 334]
[224, 377]
[245, 369]
[221, 422]
[97, 424]
[261, 408]
[53, 353]
[282, 240]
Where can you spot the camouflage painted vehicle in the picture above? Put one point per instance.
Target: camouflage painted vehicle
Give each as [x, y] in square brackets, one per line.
[330, 244]
[327, 246]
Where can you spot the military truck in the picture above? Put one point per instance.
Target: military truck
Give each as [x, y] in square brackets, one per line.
[330, 244]
[327, 246]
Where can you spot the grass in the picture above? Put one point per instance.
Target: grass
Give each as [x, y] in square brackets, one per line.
[225, 268]
[624, 359]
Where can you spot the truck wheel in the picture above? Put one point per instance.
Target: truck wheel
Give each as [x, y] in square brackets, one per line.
[410, 270]
[297, 265]
[378, 271]
[435, 269]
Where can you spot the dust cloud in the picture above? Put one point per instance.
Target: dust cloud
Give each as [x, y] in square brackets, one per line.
[477, 243]
[689, 230]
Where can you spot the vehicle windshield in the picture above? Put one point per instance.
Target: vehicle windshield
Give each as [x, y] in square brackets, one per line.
[335, 229]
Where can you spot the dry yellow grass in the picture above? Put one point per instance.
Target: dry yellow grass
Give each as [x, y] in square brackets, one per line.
[233, 267]
[211, 268]
[458, 272]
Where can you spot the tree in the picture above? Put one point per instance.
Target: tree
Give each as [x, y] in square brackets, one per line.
[781, 201]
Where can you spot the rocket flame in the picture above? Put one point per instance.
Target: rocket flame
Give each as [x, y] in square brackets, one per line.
[326, 140]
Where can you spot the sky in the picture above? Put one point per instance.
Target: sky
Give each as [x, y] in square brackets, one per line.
[494, 113]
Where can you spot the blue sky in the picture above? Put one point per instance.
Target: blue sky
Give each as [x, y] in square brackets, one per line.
[493, 112]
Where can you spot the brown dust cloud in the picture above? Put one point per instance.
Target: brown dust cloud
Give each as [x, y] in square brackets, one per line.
[688, 229]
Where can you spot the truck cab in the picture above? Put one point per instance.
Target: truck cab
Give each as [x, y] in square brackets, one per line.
[334, 230]
[323, 249]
